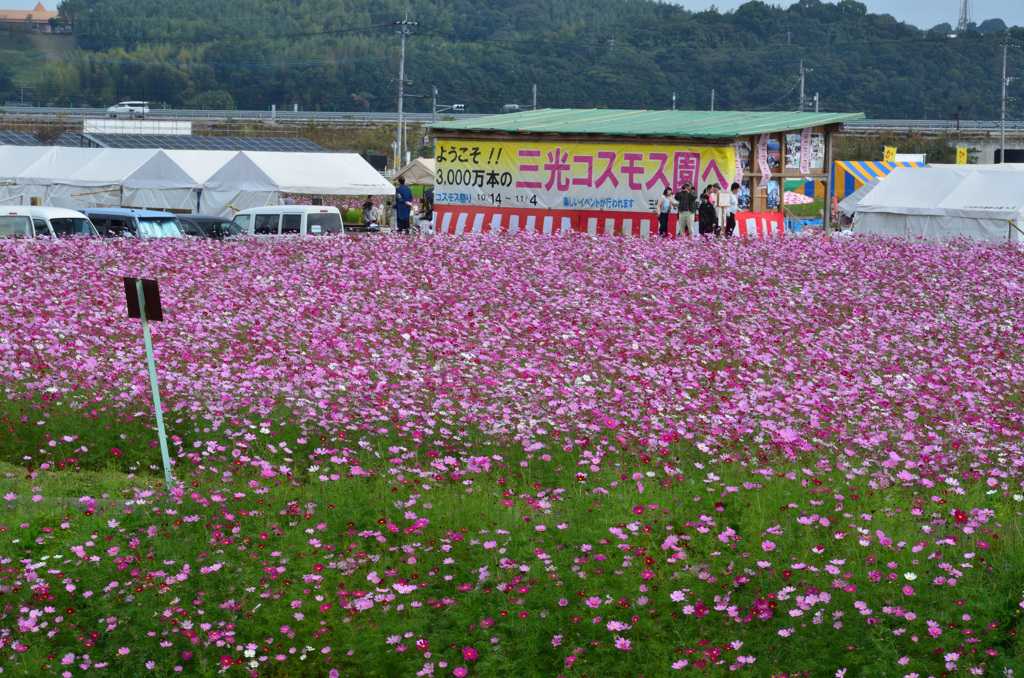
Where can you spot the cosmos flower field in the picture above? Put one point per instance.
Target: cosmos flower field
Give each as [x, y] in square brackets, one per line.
[514, 457]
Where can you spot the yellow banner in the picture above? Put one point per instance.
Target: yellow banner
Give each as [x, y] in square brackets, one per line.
[961, 155]
[890, 154]
[581, 176]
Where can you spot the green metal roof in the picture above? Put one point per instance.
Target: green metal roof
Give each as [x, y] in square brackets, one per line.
[692, 124]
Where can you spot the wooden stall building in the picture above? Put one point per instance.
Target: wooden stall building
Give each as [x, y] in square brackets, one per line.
[601, 171]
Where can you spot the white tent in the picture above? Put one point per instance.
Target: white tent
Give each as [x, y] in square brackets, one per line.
[1003, 166]
[945, 202]
[156, 179]
[419, 172]
[257, 178]
[200, 165]
[79, 177]
[849, 204]
[14, 161]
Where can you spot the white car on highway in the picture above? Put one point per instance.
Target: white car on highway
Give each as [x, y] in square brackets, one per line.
[132, 109]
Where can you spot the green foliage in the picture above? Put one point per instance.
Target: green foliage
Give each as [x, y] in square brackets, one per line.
[338, 56]
[6, 78]
[939, 149]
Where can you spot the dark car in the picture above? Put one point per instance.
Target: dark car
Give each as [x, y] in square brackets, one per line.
[208, 226]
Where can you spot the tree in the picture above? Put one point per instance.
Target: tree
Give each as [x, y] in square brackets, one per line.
[6, 78]
[992, 26]
[69, 10]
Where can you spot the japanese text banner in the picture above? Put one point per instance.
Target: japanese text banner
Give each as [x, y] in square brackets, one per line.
[586, 176]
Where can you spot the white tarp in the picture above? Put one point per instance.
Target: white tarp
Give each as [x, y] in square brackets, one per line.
[161, 183]
[848, 205]
[945, 202]
[257, 178]
[156, 179]
[200, 165]
[419, 172]
[14, 161]
[79, 177]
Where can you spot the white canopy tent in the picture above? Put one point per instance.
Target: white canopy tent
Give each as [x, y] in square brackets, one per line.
[419, 172]
[78, 177]
[257, 178]
[14, 163]
[945, 202]
[81, 177]
[200, 165]
[848, 205]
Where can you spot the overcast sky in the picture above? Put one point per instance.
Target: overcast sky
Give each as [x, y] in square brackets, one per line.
[920, 13]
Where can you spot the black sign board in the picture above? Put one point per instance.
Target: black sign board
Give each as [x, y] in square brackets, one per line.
[150, 292]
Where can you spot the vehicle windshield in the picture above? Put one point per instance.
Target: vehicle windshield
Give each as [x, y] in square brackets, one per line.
[159, 227]
[323, 223]
[225, 228]
[71, 226]
[15, 225]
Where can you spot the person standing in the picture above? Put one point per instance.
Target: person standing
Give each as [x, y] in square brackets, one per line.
[686, 203]
[731, 209]
[663, 209]
[403, 205]
[707, 214]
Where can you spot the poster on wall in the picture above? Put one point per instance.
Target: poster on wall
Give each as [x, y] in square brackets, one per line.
[572, 176]
[744, 196]
[773, 195]
[744, 152]
[793, 155]
[817, 151]
[774, 155]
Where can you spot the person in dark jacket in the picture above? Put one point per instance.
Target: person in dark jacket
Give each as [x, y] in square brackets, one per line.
[686, 198]
[403, 205]
[707, 214]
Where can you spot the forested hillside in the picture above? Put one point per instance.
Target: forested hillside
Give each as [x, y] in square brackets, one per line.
[343, 55]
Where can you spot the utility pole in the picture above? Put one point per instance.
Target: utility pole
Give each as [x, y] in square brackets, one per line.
[712, 99]
[535, 96]
[1002, 115]
[403, 31]
[803, 73]
[433, 107]
[815, 102]
[673, 101]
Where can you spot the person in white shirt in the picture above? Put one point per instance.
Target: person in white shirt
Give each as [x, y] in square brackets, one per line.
[371, 215]
[732, 209]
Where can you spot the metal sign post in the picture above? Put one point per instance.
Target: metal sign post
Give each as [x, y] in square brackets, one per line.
[143, 298]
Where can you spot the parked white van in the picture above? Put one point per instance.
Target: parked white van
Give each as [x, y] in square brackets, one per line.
[58, 222]
[290, 220]
[15, 222]
[131, 109]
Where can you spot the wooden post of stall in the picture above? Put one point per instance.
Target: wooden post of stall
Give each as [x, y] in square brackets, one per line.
[827, 216]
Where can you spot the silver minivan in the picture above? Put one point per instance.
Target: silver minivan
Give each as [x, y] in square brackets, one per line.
[290, 220]
[15, 222]
[58, 222]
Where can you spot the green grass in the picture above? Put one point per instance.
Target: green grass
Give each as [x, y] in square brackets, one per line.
[269, 522]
